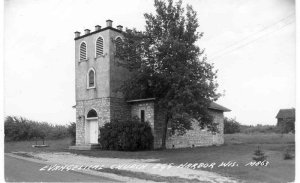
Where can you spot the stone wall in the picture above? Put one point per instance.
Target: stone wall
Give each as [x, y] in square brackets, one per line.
[218, 138]
[192, 138]
[107, 109]
[101, 106]
[116, 108]
[148, 107]
[158, 126]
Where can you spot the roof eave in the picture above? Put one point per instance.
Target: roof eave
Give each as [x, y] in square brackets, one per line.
[140, 100]
[105, 28]
[223, 110]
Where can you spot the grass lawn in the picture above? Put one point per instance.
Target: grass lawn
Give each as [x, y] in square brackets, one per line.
[26, 146]
[238, 148]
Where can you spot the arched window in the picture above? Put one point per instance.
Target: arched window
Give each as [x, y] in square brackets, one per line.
[118, 44]
[92, 114]
[83, 51]
[99, 47]
[91, 78]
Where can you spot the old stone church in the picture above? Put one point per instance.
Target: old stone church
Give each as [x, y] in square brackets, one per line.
[97, 100]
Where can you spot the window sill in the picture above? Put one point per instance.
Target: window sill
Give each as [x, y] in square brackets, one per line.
[94, 87]
[92, 118]
[85, 60]
[99, 56]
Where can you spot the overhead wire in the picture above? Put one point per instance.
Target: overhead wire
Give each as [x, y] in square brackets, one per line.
[243, 42]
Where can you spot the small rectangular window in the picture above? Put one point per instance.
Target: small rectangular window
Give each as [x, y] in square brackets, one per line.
[142, 116]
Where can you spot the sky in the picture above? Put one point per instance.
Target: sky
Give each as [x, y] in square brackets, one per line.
[251, 44]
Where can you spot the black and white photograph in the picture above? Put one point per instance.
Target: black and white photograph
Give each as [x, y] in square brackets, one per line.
[149, 91]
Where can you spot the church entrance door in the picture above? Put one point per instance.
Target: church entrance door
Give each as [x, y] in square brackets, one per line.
[93, 131]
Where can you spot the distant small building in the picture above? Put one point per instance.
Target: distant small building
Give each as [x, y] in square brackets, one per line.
[286, 117]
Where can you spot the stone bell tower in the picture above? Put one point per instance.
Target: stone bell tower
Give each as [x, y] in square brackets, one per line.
[98, 78]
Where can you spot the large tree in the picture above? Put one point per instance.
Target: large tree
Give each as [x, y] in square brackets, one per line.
[166, 63]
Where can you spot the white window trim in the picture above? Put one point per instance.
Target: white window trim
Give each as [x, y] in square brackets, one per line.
[96, 47]
[88, 78]
[86, 57]
[119, 37]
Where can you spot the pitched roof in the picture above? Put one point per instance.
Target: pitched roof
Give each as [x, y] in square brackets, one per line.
[286, 113]
[218, 107]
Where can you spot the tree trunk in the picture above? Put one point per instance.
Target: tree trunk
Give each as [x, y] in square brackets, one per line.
[164, 132]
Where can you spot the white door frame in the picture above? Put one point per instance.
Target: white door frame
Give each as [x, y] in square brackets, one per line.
[88, 130]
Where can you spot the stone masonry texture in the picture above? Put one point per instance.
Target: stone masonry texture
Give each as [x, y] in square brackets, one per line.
[192, 138]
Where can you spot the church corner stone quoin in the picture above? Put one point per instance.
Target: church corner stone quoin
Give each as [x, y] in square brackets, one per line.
[97, 100]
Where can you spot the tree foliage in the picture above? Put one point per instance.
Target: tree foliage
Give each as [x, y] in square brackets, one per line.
[259, 155]
[72, 132]
[19, 128]
[166, 63]
[288, 153]
[130, 135]
[231, 126]
[259, 128]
